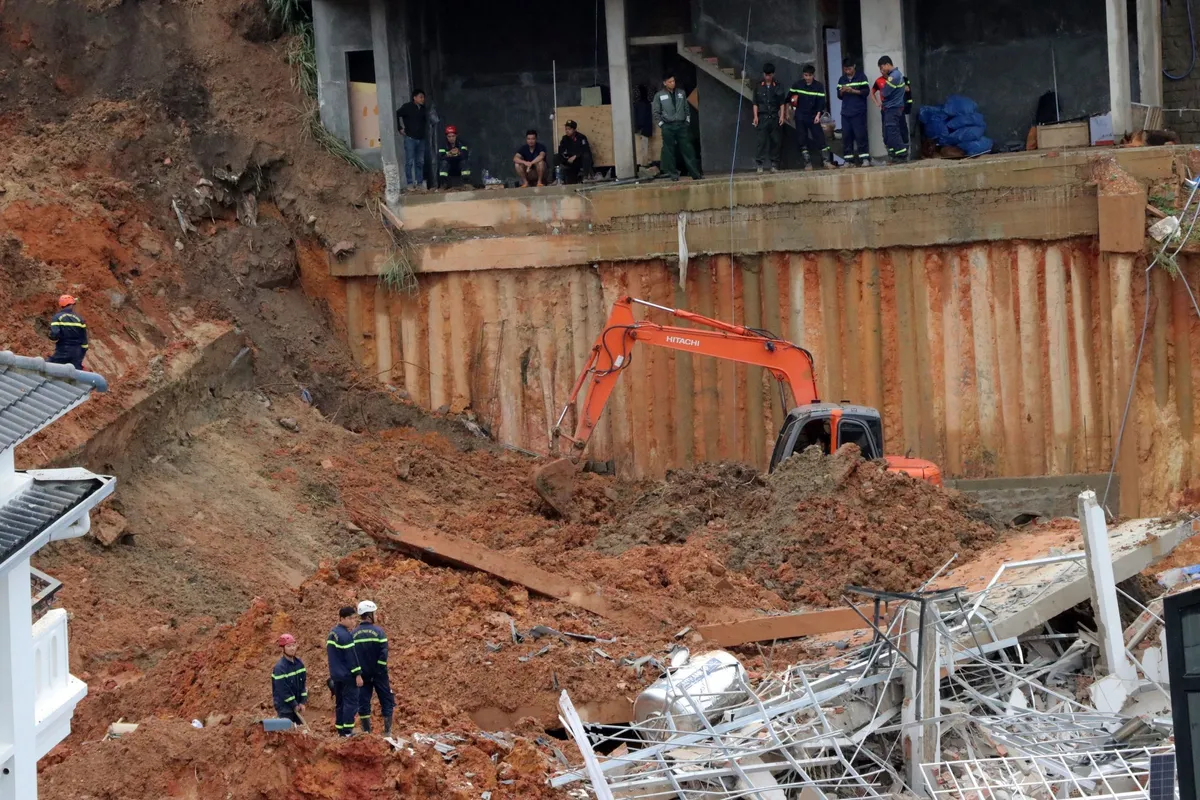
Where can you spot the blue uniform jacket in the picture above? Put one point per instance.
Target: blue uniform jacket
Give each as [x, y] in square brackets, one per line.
[854, 105]
[810, 100]
[894, 90]
[343, 661]
[371, 647]
[289, 684]
[68, 331]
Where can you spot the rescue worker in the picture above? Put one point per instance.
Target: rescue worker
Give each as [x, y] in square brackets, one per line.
[853, 88]
[68, 331]
[809, 101]
[673, 116]
[289, 682]
[575, 155]
[892, 101]
[345, 674]
[371, 648]
[454, 165]
[769, 101]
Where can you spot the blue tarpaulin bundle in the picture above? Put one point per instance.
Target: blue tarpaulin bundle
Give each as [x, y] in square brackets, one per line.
[956, 122]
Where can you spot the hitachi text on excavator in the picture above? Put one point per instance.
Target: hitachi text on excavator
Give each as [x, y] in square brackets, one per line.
[809, 422]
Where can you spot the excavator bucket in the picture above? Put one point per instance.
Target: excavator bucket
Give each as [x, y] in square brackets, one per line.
[555, 483]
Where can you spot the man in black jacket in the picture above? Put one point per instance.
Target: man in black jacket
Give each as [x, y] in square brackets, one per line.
[413, 121]
[769, 101]
[345, 674]
[575, 155]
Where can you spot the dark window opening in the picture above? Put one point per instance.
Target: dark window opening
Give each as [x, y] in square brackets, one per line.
[815, 432]
[853, 431]
[360, 66]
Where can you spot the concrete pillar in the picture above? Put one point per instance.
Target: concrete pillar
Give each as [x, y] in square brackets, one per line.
[922, 701]
[1149, 37]
[882, 35]
[618, 83]
[1104, 587]
[1118, 66]
[18, 772]
[389, 44]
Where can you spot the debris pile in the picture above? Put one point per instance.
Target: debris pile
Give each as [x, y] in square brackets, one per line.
[938, 701]
[814, 525]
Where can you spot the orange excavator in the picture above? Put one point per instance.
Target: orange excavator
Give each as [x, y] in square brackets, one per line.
[810, 422]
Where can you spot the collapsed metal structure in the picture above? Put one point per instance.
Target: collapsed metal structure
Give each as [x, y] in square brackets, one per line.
[934, 705]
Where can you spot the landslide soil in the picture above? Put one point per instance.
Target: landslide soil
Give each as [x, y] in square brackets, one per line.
[813, 526]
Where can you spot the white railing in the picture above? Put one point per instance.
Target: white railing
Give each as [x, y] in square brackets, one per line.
[56, 690]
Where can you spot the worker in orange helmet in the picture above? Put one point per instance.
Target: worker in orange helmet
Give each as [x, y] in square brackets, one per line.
[289, 682]
[69, 333]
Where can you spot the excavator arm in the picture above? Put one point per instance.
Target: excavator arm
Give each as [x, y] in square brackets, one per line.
[791, 365]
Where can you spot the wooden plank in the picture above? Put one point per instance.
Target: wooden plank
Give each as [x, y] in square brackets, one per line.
[463, 553]
[785, 626]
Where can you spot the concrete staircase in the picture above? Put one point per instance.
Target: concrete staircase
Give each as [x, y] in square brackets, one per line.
[707, 63]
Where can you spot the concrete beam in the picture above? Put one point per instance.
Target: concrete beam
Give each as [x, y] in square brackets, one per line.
[460, 552]
[1118, 66]
[618, 84]
[882, 35]
[1056, 587]
[785, 626]
[1149, 38]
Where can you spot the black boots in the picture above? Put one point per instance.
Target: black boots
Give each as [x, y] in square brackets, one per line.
[387, 726]
[366, 725]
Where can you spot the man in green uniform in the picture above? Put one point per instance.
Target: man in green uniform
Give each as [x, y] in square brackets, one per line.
[673, 116]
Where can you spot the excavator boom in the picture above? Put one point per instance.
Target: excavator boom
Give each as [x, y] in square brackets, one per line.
[790, 364]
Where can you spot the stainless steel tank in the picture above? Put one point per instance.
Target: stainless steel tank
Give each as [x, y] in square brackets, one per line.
[710, 682]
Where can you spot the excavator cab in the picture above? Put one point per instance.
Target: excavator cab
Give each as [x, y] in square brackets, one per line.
[831, 425]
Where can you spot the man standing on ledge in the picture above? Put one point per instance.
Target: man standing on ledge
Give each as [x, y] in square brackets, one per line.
[413, 122]
[893, 102]
[769, 101]
[673, 116]
[68, 331]
[809, 100]
[530, 160]
[853, 88]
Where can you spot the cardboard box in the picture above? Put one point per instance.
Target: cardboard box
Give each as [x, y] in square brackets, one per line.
[1063, 134]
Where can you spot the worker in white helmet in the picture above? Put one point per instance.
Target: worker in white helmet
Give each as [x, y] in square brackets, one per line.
[371, 646]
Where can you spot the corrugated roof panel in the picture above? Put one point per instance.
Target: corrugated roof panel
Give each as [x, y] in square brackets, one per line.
[26, 516]
[33, 393]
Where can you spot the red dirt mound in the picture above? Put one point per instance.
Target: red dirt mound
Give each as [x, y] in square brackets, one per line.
[815, 525]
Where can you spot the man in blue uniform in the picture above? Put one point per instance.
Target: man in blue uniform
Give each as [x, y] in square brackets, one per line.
[289, 682]
[454, 161]
[853, 88]
[893, 100]
[345, 675]
[371, 649]
[69, 333]
[809, 101]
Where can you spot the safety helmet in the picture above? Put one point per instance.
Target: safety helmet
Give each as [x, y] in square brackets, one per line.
[66, 300]
[367, 607]
[286, 639]
[451, 129]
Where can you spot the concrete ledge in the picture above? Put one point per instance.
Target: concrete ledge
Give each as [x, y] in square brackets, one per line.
[1051, 496]
[1034, 196]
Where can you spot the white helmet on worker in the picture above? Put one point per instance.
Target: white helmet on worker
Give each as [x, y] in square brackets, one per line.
[367, 607]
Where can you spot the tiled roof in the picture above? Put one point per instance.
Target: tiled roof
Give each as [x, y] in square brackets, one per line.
[33, 393]
[32, 511]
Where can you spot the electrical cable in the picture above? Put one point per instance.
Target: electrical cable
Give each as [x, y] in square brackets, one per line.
[1191, 37]
[1137, 363]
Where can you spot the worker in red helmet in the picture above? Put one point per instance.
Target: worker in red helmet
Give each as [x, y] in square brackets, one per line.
[289, 682]
[68, 331]
[454, 161]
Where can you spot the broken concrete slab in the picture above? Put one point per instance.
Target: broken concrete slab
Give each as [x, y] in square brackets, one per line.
[1029, 597]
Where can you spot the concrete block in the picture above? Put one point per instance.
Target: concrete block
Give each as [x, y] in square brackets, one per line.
[1122, 222]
